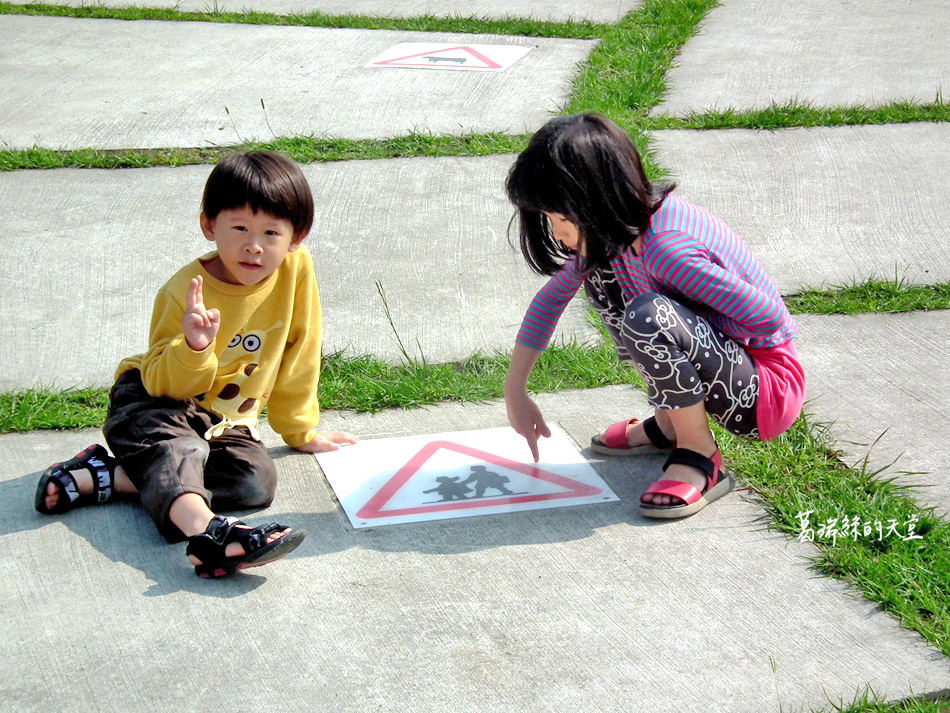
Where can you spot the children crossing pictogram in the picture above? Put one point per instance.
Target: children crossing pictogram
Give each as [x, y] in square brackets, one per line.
[389, 481]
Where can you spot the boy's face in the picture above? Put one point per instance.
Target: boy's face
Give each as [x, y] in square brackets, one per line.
[251, 246]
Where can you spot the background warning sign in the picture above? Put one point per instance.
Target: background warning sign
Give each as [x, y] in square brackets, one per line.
[460, 474]
[446, 55]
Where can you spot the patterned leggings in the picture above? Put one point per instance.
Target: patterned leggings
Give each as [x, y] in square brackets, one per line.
[681, 358]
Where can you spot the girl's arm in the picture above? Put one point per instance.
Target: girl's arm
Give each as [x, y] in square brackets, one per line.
[536, 329]
[682, 265]
[523, 413]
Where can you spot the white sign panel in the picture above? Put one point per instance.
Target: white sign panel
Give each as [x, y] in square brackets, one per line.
[455, 57]
[447, 475]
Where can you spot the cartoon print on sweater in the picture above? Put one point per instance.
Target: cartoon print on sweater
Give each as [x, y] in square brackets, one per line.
[239, 402]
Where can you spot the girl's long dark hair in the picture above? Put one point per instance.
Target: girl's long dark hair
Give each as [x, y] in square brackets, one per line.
[588, 170]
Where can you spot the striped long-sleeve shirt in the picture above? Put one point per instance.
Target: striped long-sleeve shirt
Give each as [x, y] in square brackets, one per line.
[685, 253]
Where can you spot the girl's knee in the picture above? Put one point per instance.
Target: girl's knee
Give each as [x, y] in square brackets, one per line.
[642, 310]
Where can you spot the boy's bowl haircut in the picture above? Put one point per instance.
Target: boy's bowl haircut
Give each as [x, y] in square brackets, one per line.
[266, 181]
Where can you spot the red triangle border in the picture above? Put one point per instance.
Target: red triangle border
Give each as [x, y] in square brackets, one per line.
[489, 63]
[373, 509]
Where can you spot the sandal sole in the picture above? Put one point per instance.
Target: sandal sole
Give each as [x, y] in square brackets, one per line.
[675, 512]
[647, 449]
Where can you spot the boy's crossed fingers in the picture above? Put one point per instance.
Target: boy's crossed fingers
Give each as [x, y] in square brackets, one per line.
[199, 325]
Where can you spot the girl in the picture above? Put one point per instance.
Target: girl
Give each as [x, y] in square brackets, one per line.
[680, 294]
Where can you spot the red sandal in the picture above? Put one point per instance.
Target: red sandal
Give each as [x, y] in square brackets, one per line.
[615, 440]
[718, 483]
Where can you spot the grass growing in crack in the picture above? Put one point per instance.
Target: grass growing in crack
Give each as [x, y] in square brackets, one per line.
[870, 296]
[40, 409]
[868, 701]
[370, 384]
[799, 114]
[802, 481]
[509, 25]
[357, 383]
[301, 149]
[624, 75]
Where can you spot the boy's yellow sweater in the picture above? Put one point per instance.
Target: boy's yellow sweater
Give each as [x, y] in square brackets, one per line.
[267, 351]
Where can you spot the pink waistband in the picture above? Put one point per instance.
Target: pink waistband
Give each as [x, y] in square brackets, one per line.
[781, 388]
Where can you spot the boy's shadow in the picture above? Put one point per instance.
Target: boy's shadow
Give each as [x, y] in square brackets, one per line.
[123, 532]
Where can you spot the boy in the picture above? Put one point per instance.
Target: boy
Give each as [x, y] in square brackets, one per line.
[233, 331]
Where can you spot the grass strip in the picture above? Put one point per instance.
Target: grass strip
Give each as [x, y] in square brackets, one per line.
[365, 383]
[870, 296]
[623, 76]
[802, 114]
[302, 149]
[508, 25]
[806, 488]
[361, 383]
[868, 701]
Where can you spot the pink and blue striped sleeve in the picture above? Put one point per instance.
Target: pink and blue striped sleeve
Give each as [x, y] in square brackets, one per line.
[548, 305]
[682, 263]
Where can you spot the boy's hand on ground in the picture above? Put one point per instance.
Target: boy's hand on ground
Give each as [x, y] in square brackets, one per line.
[525, 417]
[325, 441]
[199, 325]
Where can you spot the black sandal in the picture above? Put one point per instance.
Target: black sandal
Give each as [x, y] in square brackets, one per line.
[210, 545]
[100, 465]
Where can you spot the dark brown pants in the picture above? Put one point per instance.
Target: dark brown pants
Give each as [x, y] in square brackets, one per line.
[160, 444]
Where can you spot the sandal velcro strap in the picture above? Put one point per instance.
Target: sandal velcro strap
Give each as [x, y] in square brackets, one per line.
[210, 545]
[94, 459]
[653, 431]
[685, 456]
[252, 540]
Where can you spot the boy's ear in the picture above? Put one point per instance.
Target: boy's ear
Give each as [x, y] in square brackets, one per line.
[297, 242]
[207, 227]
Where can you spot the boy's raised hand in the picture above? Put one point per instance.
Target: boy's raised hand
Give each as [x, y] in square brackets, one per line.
[325, 441]
[199, 325]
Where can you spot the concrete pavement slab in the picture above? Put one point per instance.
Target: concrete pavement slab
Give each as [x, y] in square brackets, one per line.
[824, 206]
[887, 376]
[77, 83]
[750, 54]
[553, 10]
[586, 608]
[90, 248]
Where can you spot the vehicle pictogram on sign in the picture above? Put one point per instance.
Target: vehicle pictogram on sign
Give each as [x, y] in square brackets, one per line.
[443, 55]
